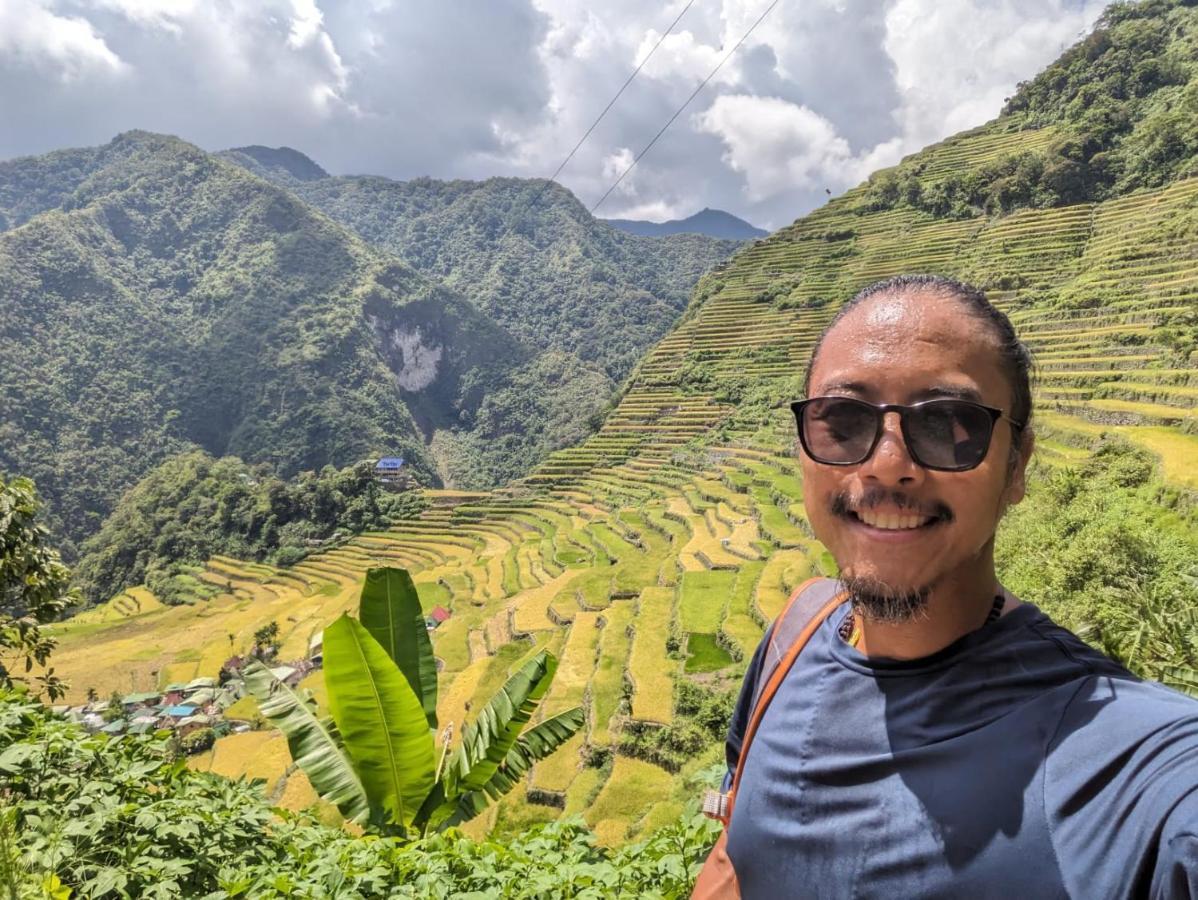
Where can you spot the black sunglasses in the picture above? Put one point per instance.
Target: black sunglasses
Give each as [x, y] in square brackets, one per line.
[944, 434]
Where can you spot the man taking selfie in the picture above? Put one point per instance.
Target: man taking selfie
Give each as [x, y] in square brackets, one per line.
[915, 729]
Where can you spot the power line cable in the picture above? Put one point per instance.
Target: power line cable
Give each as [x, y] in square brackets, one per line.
[687, 103]
[606, 109]
[624, 86]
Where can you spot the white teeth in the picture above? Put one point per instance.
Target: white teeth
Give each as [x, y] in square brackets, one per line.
[892, 521]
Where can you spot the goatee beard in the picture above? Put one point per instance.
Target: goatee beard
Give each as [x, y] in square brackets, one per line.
[877, 601]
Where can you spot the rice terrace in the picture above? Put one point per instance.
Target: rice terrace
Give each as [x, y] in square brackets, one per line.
[650, 557]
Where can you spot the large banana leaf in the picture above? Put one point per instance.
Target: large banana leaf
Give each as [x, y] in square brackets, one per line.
[381, 722]
[1181, 678]
[531, 747]
[312, 743]
[487, 740]
[390, 611]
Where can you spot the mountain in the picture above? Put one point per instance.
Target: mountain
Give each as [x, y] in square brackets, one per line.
[156, 299]
[531, 257]
[525, 251]
[180, 302]
[651, 556]
[711, 222]
[278, 163]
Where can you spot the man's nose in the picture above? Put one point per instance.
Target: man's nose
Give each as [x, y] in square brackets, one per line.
[891, 461]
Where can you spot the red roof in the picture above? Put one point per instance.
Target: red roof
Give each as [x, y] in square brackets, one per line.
[439, 614]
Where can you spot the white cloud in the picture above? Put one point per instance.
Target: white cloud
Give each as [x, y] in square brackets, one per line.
[307, 23]
[63, 48]
[615, 164]
[955, 63]
[164, 14]
[781, 147]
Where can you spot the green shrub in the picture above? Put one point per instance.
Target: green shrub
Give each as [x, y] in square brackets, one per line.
[1108, 551]
[197, 741]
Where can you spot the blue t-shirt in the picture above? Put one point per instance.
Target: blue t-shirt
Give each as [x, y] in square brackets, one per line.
[1015, 763]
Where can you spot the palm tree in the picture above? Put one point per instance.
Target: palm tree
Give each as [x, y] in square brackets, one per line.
[375, 757]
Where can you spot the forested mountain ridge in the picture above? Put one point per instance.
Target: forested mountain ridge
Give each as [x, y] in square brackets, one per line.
[526, 251]
[586, 298]
[157, 298]
[652, 556]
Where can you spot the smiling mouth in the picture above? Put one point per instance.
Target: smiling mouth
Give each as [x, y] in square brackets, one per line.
[892, 521]
[890, 511]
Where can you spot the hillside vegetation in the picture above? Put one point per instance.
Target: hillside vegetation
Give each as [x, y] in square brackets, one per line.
[169, 301]
[157, 299]
[650, 557]
[587, 298]
[193, 507]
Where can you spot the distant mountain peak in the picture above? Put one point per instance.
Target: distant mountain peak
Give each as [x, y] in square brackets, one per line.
[284, 160]
[712, 222]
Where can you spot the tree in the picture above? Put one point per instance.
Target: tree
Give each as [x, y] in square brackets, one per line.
[115, 708]
[266, 641]
[33, 587]
[375, 759]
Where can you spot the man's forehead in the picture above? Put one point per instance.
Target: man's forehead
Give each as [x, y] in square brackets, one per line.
[893, 319]
[922, 335]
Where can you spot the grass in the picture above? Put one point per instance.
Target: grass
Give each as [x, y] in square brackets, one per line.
[251, 754]
[1176, 451]
[783, 572]
[583, 790]
[607, 683]
[739, 624]
[532, 606]
[702, 598]
[245, 708]
[628, 794]
[704, 654]
[648, 665]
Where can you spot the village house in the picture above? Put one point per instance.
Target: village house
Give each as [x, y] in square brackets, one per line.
[390, 471]
[173, 693]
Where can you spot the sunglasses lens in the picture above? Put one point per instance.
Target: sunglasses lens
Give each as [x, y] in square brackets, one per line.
[839, 430]
[949, 434]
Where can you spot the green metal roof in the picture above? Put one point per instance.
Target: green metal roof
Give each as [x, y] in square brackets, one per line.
[145, 697]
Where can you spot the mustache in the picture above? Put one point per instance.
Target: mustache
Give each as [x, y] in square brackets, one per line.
[843, 503]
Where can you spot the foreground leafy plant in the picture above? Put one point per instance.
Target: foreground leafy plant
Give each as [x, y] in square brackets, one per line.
[33, 587]
[375, 757]
[104, 817]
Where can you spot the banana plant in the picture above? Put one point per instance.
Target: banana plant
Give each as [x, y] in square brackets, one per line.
[374, 757]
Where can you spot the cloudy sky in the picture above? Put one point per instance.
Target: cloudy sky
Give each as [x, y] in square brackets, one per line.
[822, 93]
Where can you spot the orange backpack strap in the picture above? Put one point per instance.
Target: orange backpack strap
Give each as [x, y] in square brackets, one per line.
[808, 607]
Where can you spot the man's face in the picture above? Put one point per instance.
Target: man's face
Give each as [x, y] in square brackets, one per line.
[903, 348]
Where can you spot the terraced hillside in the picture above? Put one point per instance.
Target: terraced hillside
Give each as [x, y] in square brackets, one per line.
[653, 555]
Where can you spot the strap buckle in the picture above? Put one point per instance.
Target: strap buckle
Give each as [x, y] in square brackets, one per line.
[717, 805]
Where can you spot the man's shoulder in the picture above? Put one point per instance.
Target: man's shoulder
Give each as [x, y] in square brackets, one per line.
[1129, 700]
[1107, 682]
[1043, 648]
[1117, 719]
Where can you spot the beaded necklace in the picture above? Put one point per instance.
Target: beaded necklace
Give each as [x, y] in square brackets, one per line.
[850, 631]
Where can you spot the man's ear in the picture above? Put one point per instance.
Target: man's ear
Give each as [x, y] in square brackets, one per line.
[1017, 479]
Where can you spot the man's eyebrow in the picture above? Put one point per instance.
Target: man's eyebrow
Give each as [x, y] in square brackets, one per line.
[958, 392]
[845, 387]
[860, 388]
